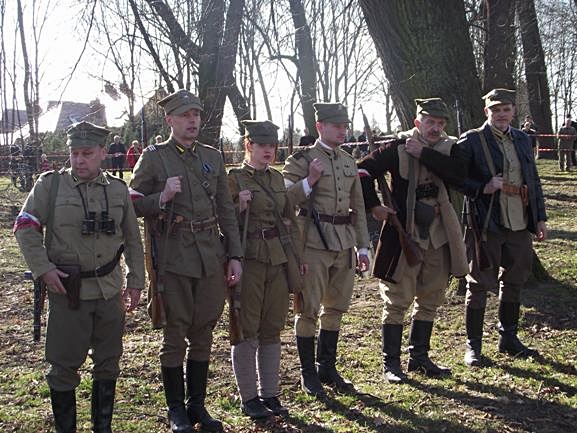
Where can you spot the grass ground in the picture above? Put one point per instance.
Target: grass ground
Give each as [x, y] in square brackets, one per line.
[510, 395]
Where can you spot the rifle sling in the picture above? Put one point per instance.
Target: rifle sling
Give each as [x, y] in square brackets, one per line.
[284, 235]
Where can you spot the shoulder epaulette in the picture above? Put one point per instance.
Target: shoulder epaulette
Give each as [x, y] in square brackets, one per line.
[207, 146]
[110, 177]
[155, 147]
[301, 153]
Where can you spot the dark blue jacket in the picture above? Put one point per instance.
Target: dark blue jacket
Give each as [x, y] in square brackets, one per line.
[478, 175]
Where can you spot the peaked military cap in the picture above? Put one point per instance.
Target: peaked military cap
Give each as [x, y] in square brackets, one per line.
[263, 132]
[180, 102]
[86, 134]
[499, 96]
[331, 112]
[432, 107]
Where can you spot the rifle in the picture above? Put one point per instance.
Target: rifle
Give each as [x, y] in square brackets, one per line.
[39, 298]
[410, 249]
[155, 305]
[234, 297]
[483, 260]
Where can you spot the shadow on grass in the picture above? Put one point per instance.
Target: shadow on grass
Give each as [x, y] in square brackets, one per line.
[393, 411]
[513, 408]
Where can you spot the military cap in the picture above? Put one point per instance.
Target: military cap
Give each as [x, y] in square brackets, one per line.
[264, 132]
[499, 96]
[331, 112]
[180, 102]
[86, 134]
[432, 107]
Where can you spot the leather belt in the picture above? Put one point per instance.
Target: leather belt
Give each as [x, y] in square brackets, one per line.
[264, 234]
[197, 226]
[332, 219]
[512, 189]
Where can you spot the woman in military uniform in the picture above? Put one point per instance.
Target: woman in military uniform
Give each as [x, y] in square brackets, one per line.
[259, 190]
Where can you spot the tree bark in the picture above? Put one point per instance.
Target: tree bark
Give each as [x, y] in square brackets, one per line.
[419, 52]
[305, 63]
[217, 60]
[535, 69]
[216, 78]
[499, 58]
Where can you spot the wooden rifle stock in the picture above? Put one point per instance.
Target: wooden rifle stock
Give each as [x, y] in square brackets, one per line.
[411, 250]
[234, 298]
[155, 305]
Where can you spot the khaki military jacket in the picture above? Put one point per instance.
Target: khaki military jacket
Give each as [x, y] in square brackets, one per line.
[190, 254]
[263, 209]
[337, 192]
[68, 244]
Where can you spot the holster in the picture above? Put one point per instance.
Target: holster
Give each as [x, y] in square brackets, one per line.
[72, 284]
[424, 216]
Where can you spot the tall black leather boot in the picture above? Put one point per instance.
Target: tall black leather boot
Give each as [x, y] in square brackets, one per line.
[326, 359]
[173, 380]
[64, 410]
[392, 337]
[419, 345]
[102, 405]
[196, 378]
[310, 382]
[508, 326]
[474, 318]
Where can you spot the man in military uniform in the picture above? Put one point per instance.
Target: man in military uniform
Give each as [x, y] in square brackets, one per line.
[505, 205]
[322, 181]
[185, 179]
[421, 161]
[88, 221]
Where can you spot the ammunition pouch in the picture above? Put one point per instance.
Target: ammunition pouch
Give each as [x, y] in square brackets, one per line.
[424, 216]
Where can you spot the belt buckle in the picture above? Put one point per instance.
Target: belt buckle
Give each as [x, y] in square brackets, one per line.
[263, 233]
[192, 229]
[334, 219]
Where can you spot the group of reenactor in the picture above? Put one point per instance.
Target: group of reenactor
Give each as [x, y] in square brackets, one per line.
[255, 226]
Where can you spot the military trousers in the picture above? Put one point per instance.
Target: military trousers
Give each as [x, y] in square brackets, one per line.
[97, 325]
[510, 250]
[423, 285]
[264, 301]
[193, 307]
[328, 287]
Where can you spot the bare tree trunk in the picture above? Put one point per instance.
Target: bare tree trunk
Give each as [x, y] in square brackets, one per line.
[218, 57]
[221, 63]
[31, 105]
[535, 69]
[499, 58]
[305, 63]
[419, 55]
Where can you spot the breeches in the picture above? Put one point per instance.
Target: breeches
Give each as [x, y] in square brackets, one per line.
[70, 334]
[509, 250]
[328, 287]
[264, 301]
[422, 285]
[193, 307]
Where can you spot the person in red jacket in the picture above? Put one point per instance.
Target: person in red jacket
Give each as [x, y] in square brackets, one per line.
[133, 154]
